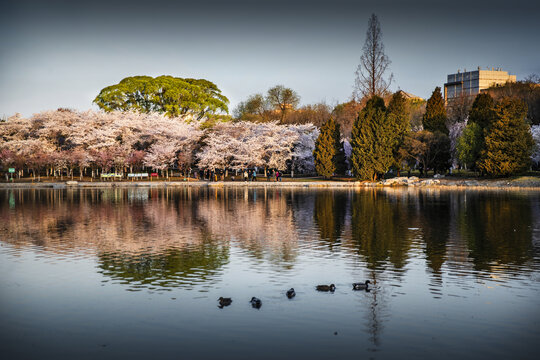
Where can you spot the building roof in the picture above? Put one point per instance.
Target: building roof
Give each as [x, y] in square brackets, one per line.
[409, 96]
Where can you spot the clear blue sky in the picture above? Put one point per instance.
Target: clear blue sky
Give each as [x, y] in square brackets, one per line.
[62, 53]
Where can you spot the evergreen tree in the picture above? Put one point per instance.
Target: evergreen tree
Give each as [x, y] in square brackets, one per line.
[434, 118]
[340, 159]
[398, 118]
[508, 141]
[328, 149]
[482, 110]
[372, 141]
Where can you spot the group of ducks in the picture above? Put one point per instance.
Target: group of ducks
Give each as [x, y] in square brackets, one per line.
[257, 303]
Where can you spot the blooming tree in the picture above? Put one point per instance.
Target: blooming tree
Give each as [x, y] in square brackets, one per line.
[245, 144]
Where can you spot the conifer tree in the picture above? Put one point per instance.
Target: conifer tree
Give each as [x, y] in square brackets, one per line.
[341, 159]
[508, 141]
[399, 120]
[482, 111]
[328, 149]
[434, 118]
[372, 141]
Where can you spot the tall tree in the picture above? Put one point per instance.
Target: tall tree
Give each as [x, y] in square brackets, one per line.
[398, 117]
[434, 118]
[372, 141]
[328, 149]
[282, 99]
[508, 143]
[374, 63]
[482, 110]
[164, 94]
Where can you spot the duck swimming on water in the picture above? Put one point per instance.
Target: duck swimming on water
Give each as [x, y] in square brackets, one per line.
[361, 286]
[291, 293]
[330, 287]
[256, 303]
[224, 302]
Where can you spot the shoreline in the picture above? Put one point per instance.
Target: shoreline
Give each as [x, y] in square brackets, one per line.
[531, 183]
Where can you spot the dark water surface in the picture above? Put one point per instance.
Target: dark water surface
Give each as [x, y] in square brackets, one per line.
[136, 273]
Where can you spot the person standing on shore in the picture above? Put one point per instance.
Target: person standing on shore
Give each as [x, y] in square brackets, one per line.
[245, 175]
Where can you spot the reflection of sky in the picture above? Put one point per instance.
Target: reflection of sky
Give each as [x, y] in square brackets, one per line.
[55, 292]
[61, 53]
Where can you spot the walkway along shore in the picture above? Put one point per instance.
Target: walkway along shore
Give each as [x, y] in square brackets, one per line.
[530, 183]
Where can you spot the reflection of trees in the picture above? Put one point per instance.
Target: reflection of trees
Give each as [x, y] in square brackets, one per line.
[379, 228]
[434, 213]
[329, 215]
[169, 229]
[259, 220]
[497, 228]
[102, 219]
[173, 267]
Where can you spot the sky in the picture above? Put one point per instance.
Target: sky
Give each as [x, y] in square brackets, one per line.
[61, 53]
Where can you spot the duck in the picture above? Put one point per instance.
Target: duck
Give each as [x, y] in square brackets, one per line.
[291, 293]
[330, 287]
[255, 302]
[361, 286]
[224, 302]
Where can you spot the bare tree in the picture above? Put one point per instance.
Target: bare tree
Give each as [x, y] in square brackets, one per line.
[282, 99]
[373, 64]
[458, 108]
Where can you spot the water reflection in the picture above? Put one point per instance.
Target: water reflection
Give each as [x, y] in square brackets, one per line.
[170, 268]
[163, 238]
[104, 265]
[498, 230]
[329, 215]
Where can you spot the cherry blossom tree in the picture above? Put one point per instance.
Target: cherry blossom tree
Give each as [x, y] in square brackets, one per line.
[245, 144]
[161, 156]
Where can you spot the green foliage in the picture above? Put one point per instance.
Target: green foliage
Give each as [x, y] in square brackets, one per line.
[482, 111]
[165, 94]
[398, 117]
[434, 118]
[372, 141]
[470, 144]
[508, 141]
[328, 149]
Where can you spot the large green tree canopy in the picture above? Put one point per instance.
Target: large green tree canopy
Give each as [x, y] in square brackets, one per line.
[165, 94]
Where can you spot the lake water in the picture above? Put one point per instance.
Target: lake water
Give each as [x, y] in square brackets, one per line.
[136, 273]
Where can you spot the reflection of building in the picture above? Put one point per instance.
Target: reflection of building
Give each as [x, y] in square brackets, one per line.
[470, 83]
